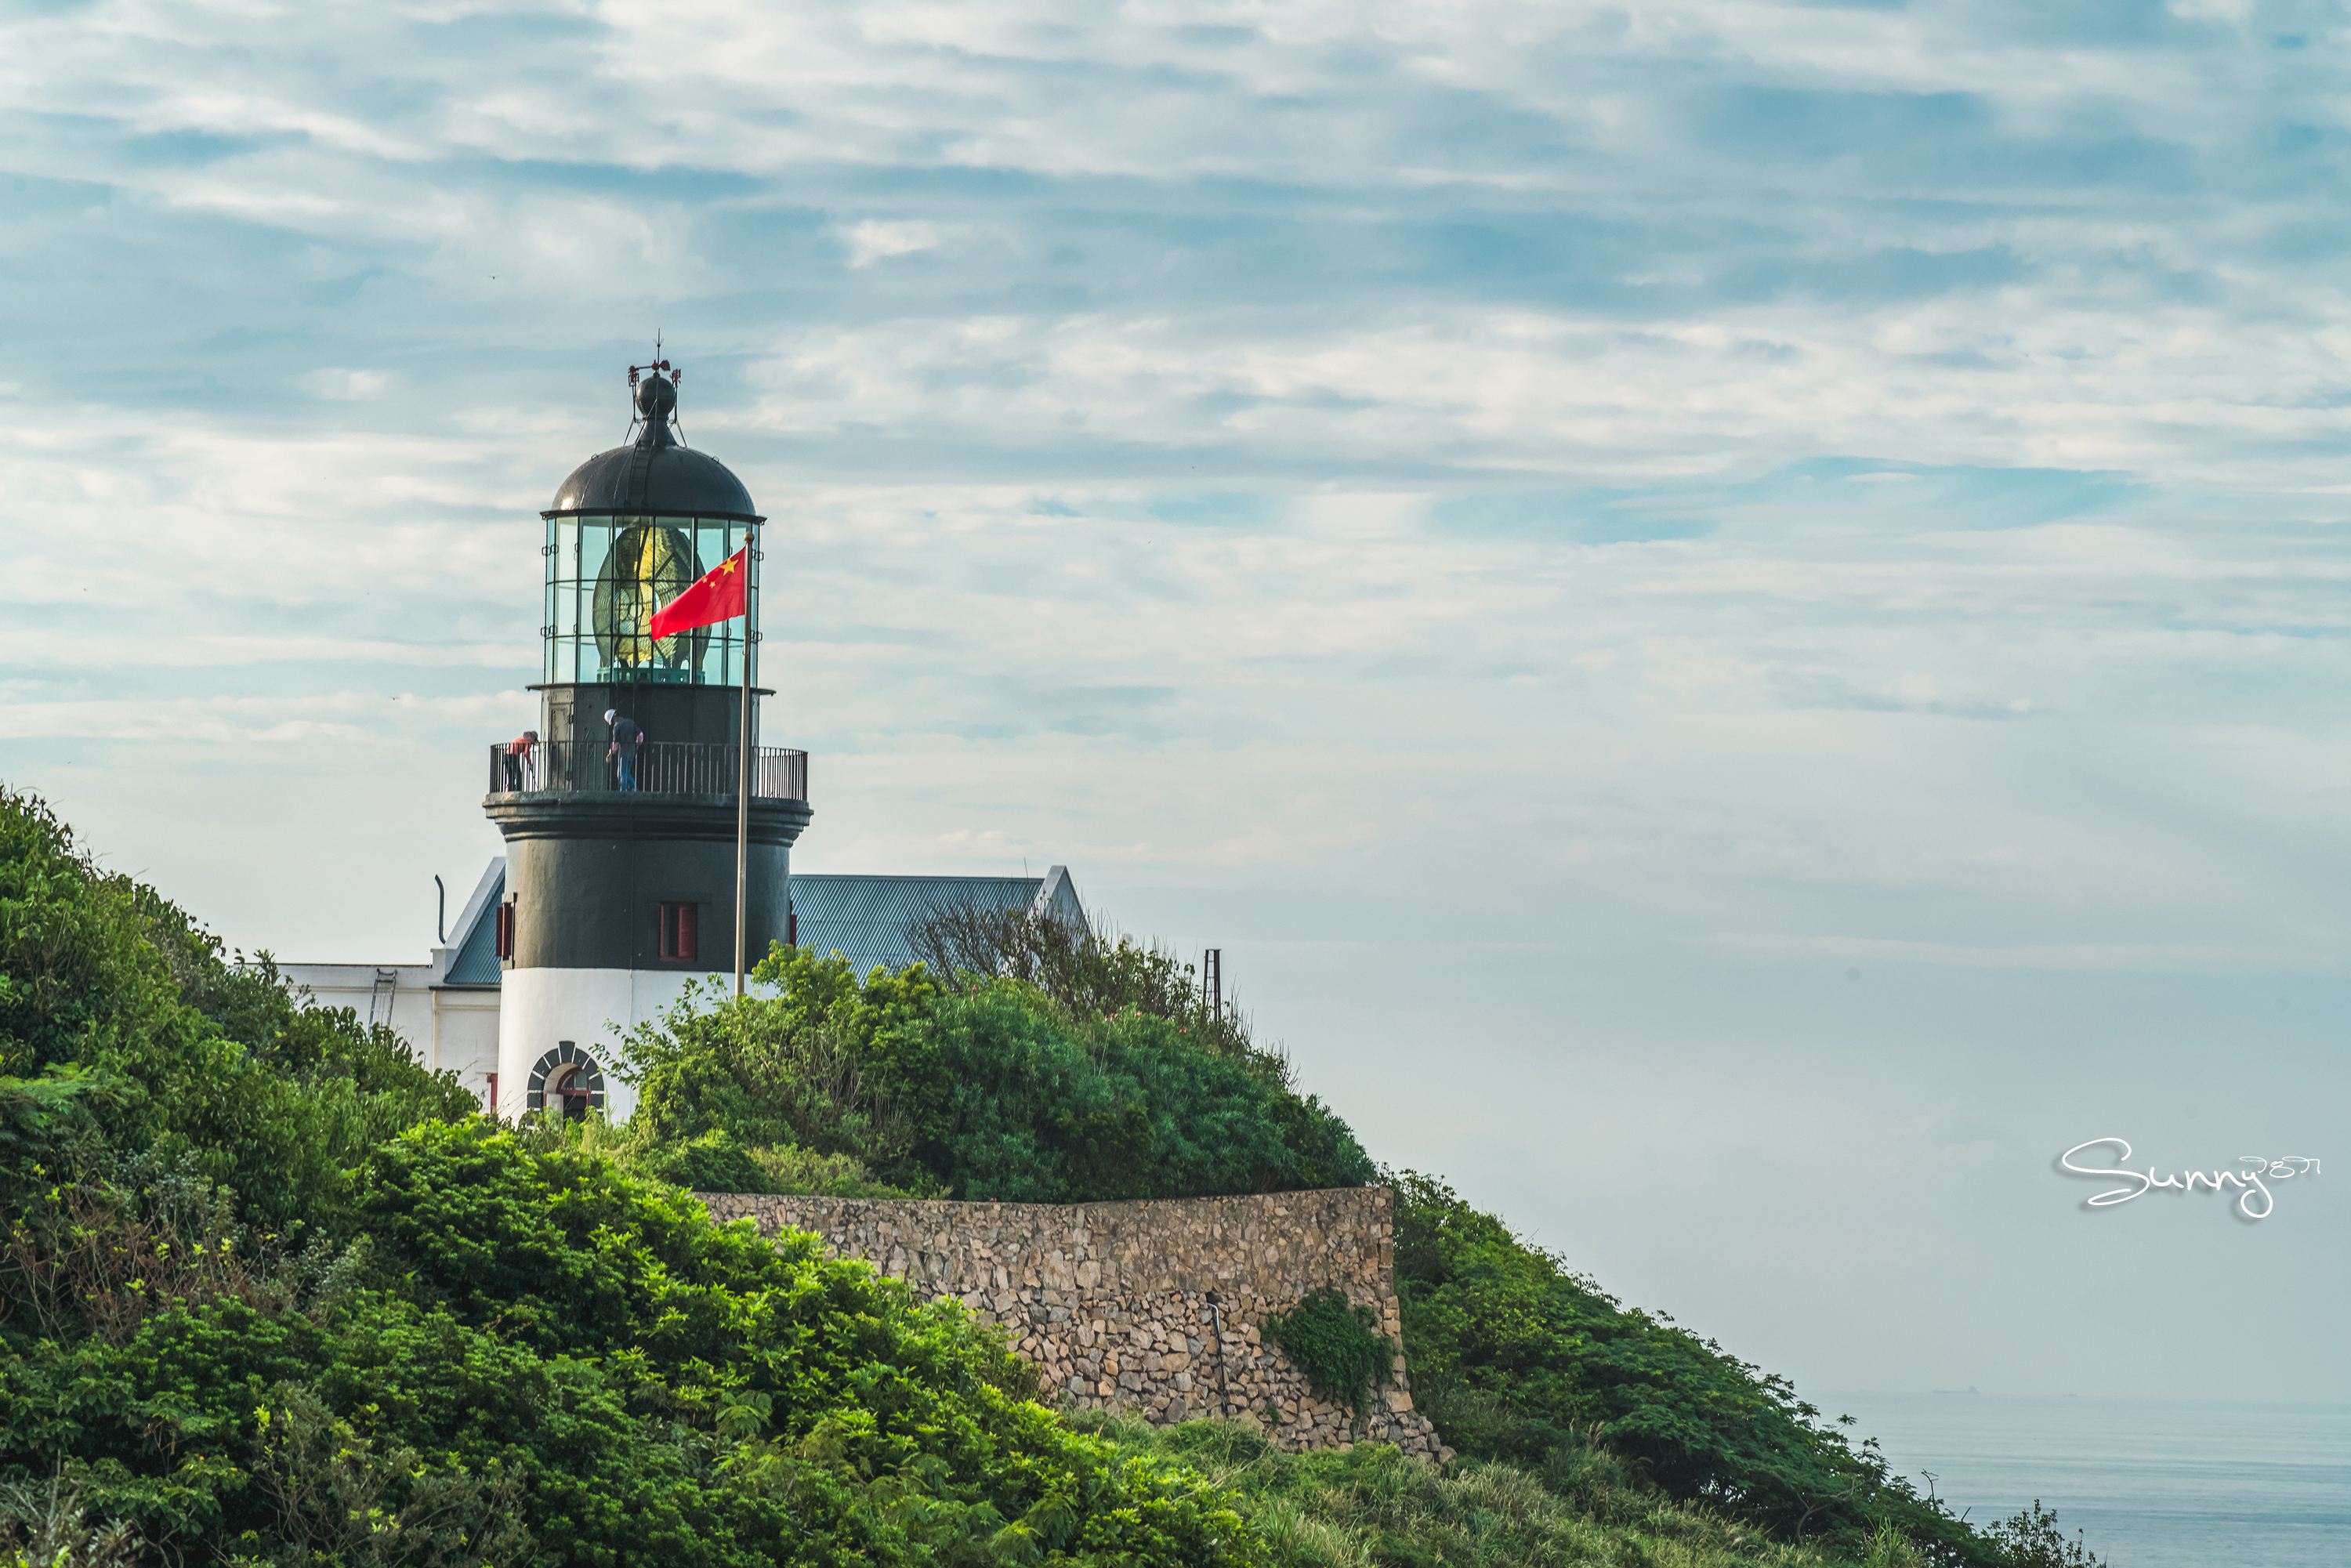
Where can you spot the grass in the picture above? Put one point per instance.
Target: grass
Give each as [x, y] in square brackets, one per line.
[1373, 1508]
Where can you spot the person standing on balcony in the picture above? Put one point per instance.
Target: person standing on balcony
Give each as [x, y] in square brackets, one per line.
[519, 759]
[625, 738]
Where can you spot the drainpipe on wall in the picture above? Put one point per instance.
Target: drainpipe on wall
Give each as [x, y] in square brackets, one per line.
[1224, 1378]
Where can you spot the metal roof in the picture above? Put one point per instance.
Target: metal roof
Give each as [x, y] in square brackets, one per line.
[475, 961]
[654, 475]
[866, 919]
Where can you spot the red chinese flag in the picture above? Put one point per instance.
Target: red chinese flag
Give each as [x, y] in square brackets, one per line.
[716, 597]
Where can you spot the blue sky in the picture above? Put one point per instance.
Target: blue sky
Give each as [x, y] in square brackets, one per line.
[1734, 612]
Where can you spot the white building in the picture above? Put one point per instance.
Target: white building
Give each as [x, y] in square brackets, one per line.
[445, 1008]
[448, 1008]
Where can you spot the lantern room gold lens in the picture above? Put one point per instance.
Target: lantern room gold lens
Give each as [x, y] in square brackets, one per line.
[648, 567]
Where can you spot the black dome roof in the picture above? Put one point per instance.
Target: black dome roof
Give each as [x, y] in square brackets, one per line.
[655, 474]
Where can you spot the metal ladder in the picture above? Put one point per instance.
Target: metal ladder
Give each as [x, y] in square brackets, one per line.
[385, 991]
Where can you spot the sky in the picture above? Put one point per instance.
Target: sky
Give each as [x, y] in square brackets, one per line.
[1734, 613]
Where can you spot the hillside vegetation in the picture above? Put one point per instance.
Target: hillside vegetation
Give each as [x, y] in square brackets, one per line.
[1026, 1061]
[270, 1293]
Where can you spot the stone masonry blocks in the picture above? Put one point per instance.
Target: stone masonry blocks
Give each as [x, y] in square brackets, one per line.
[1148, 1308]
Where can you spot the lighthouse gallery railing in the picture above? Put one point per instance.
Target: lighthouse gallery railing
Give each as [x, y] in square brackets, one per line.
[662, 767]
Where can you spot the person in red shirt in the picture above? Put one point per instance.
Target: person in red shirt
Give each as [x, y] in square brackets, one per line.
[519, 756]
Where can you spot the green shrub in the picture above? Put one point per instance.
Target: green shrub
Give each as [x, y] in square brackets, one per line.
[2032, 1540]
[337, 1500]
[989, 1090]
[1336, 1343]
[1515, 1357]
[46, 1525]
[717, 1161]
[536, 1338]
[1086, 974]
[111, 998]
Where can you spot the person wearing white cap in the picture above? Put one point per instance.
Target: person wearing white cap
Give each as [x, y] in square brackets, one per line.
[626, 737]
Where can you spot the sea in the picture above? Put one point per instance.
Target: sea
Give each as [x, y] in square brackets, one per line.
[2148, 1483]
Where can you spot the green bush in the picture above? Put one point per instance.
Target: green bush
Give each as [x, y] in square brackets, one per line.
[2032, 1540]
[989, 1089]
[1516, 1357]
[112, 1000]
[1336, 1343]
[537, 1349]
[717, 1161]
[1086, 974]
[46, 1526]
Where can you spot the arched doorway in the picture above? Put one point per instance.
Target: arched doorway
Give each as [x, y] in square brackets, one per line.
[567, 1080]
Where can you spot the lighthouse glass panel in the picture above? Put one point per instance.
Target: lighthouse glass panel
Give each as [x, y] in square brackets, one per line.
[606, 575]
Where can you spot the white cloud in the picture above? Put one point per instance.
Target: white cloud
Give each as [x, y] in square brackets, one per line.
[345, 385]
[872, 239]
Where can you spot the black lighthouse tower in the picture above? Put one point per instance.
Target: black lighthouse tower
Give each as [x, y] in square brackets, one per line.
[618, 895]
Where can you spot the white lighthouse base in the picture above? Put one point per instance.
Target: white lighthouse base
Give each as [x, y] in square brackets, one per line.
[592, 1010]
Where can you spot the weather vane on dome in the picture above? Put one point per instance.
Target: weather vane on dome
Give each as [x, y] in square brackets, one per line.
[675, 372]
[656, 401]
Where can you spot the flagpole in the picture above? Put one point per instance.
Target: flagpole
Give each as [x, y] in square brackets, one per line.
[743, 781]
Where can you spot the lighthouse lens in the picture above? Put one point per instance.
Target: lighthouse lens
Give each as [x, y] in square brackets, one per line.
[650, 564]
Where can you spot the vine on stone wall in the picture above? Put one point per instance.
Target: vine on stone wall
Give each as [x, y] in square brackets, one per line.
[1336, 1343]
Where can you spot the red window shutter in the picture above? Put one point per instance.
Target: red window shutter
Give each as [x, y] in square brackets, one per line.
[678, 932]
[502, 939]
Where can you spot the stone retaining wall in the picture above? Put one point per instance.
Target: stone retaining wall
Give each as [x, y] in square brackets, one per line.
[1150, 1308]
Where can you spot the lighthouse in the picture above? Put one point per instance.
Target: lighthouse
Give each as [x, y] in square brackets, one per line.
[620, 819]
[619, 885]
